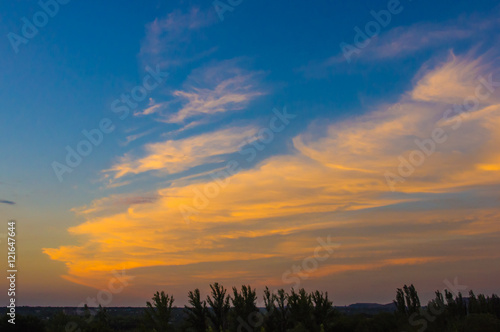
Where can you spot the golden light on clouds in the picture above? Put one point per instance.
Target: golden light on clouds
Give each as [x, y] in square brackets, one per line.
[331, 181]
[173, 156]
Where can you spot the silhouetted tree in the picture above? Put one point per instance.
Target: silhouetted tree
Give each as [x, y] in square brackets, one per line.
[86, 313]
[461, 305]
[323, 311]
[102, 315]
[482, 303]
[160, 311]
[196, 314]
[400, 303]
[451, 304]
[437, 312]
[219, 303]
[245, 310]
[413, 302]
[473, 307]
[407, 301]
[277, 310]
[301, 308]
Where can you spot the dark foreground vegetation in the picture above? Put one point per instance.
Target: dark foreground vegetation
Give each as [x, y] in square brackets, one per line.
[280, 311]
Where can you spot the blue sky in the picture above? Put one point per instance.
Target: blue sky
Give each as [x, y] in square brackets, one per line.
[225, 78]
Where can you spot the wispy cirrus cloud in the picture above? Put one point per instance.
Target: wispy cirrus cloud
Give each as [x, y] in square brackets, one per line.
[332, 182]
[173, 156]
[403, 41]
[169, 40]
[114, 204]
[152, 108]
[209, 91]
[451, 82]
[218, 88]
[230, 94]
[134, 137]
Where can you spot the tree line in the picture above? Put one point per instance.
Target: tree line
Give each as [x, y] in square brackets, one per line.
[222, 312]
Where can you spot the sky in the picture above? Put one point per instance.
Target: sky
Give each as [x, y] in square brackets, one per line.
[350, 147]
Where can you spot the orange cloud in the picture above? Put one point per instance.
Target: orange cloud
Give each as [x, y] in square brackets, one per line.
[173, 156]
[331, 182]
